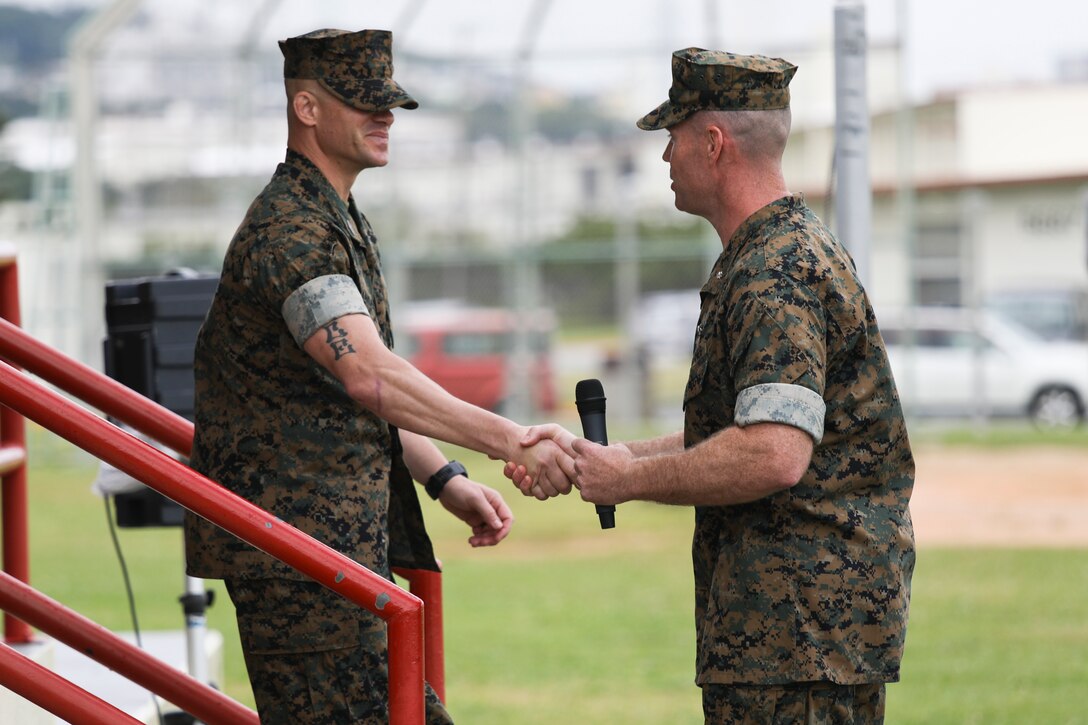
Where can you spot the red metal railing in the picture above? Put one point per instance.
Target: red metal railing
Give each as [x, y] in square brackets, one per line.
[44, 687]
[83, 635]
[404, 613]
[126, 405]
[95, 388]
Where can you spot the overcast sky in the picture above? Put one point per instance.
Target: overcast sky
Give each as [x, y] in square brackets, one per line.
[950, 43]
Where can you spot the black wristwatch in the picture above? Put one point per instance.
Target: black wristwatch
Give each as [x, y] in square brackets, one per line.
[442, 476]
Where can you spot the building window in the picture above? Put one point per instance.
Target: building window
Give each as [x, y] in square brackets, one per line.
[938, 268]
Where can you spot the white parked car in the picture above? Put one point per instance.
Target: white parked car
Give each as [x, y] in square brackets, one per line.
[1055, 312]
[959, 362]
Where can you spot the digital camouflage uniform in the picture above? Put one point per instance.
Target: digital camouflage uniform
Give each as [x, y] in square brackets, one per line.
[808, 703]
[812, 584]
[273, 426]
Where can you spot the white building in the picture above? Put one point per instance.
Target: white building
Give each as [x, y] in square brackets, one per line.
[972, 194]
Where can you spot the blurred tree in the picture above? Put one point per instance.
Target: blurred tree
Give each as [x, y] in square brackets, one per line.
[577, 269]
[560, 120]
[32, 38]
[32, 43]
[16, 184]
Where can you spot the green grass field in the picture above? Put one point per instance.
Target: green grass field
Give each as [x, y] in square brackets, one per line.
[564, 622]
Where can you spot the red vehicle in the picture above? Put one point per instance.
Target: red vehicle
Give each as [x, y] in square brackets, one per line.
[470, 351]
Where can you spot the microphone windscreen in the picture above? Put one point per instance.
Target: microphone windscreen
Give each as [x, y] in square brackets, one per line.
[588, 389]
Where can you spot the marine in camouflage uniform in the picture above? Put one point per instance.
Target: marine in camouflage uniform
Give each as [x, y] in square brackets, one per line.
[277, 427]
[810, 584]
[794, 451]
[270, 425]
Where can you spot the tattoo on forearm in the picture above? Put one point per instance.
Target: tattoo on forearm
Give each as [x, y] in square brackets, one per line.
[337, 338]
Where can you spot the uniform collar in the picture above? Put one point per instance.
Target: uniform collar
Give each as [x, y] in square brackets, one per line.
[748, 232]
[325, 195]
[750, 226]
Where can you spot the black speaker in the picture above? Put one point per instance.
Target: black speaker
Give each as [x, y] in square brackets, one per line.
[151, 329]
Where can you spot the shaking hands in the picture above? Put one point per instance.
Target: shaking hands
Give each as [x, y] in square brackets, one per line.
[544, 467]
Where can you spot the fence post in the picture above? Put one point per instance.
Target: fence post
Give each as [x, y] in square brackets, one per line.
[13, 499]
[427, 585]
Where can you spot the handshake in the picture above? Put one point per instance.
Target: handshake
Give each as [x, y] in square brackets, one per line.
[545, 466]
[561, 461]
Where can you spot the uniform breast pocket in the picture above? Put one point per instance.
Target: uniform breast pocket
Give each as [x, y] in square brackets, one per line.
[709, 392]
[707, 344]
[710, 387]
[695, 378]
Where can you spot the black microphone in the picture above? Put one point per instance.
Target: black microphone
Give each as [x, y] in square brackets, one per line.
[589, 397]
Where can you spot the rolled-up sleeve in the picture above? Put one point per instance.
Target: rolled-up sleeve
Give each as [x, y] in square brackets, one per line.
[319, 302]
[793, 405]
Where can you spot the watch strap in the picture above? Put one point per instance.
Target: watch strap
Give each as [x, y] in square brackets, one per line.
[442, 476]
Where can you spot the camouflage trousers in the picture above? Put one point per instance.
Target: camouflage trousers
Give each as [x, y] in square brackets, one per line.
[807, 703]
[315, 657]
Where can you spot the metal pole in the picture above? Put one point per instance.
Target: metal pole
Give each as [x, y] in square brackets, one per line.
[906, 198]
[523, 291]
[853, 203]
[1086, 227]
[710, 14]
[627, 286]
[973, 211]
[194, 603]
[905, 165]
[81, 285]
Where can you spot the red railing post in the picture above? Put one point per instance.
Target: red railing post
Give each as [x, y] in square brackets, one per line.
[13, 498]
[427, 585]
[404, 632]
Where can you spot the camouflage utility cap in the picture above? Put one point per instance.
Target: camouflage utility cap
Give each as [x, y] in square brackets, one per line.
[716, 80]
[357, 67]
